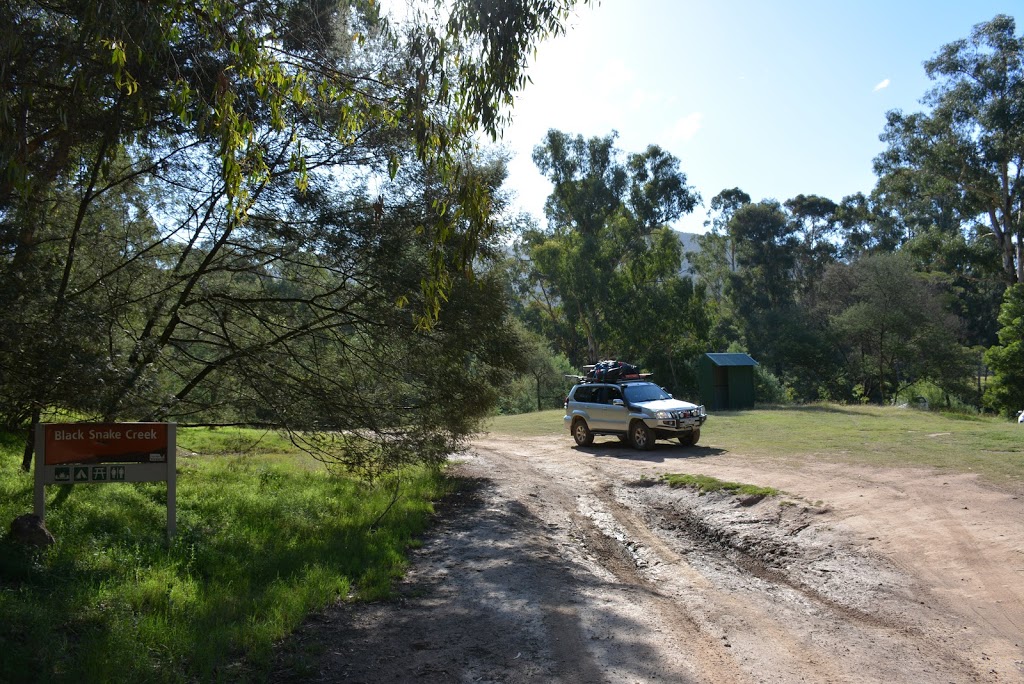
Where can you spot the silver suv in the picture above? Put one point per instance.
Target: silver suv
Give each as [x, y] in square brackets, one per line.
[637, 412]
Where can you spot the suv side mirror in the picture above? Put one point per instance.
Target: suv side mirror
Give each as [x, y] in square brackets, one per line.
[618, 402]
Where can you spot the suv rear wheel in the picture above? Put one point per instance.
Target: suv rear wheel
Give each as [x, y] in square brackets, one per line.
[581, 433]
[641, 436]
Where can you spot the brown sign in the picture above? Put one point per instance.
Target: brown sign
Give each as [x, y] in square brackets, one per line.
[105, 443]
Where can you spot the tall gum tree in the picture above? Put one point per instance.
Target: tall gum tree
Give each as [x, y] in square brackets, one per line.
[605, 215]
[969, 149]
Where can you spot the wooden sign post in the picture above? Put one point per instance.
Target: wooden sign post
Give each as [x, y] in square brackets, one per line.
[98, 453]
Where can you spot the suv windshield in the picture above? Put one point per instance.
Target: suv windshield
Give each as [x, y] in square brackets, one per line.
[638, 394]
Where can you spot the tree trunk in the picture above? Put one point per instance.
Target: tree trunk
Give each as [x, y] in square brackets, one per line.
[1012, 265]
[1019, 250]
[593, 351]
[881, 368]
[30, 443]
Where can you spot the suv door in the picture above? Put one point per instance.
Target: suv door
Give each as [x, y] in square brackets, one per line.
[606, 415]
[582, 403]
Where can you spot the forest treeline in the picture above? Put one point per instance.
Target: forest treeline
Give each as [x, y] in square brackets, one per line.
[278, 213]
[909, 293]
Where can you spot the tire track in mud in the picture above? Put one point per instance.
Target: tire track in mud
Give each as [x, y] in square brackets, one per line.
[704, 658]
[747, 560]
[684, 587]
[776, 626]
[684, 652]
[703, 654]
[688, 606]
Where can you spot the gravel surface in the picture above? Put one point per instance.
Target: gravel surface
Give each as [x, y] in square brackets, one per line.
[566, 564]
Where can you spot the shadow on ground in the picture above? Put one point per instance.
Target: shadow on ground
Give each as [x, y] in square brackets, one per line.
[659, 454]
[489, 597]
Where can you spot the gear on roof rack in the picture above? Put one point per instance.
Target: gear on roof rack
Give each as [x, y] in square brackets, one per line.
[610, 371]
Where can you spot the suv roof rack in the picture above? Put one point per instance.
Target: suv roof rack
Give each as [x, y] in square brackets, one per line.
[585, 380]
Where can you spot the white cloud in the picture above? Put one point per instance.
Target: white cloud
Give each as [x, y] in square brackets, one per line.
[686, 127]
[881, 86]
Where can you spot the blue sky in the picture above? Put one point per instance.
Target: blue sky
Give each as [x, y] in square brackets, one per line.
[777, 98]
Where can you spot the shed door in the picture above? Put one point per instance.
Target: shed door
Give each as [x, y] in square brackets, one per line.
[720, 387]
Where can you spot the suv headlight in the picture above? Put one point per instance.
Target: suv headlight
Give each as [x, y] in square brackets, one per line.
[663, 415]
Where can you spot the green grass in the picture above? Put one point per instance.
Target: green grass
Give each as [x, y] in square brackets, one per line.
[221, 441]
[536, 424]
[868, 435]
[263, 540]
[706, 484]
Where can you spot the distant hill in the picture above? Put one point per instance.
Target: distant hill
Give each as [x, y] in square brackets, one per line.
[688, 241]
[690, 244]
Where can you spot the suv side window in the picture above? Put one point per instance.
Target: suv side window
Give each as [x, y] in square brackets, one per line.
[584, 394]
[607, 394]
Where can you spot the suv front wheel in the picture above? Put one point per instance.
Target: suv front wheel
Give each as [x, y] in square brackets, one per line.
[581, 433]
[641, 436]
[690, 438]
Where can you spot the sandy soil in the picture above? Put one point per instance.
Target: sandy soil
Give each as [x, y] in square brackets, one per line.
[566, 564]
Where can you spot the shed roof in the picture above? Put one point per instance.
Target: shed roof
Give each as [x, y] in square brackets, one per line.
[731, 359]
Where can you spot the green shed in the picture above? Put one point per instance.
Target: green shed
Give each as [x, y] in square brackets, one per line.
[726, 381]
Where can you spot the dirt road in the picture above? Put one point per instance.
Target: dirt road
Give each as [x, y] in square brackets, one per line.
[563, 564]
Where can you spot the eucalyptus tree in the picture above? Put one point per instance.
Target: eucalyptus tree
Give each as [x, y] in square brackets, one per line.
[890, 326]
[769, 308]
[762, 290]
[608, 239]
[312, 202]
[865, 227]
[716, 258]
[964, 158]
[766, 243]
[661, 319]
[816, 223]
[956, 252]
[963, 267]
